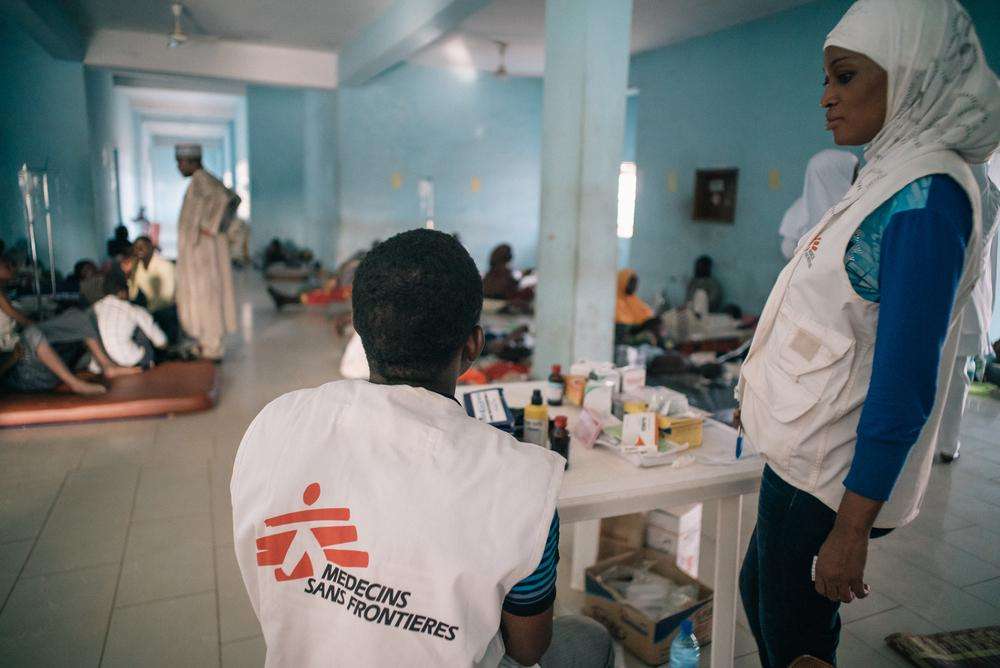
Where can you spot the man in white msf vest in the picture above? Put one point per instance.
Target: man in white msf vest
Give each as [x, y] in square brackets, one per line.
[376, 524]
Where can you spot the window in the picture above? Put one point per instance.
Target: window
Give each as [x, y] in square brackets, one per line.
[626, 200]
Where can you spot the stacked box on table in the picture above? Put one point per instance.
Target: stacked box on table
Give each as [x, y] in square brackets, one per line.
[649, 639]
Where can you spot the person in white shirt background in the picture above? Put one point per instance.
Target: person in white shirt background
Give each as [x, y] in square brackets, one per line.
[829, 174]
[128, 332]
[377, 524]
[976, 318]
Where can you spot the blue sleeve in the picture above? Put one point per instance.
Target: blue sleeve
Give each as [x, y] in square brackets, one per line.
[536, 593]
[921, 262]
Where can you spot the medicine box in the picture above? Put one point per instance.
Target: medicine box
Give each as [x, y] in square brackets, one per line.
[678, 532]
[598, 395]
[489, 406]
[575, 386]
[682, 429]
[647, 638]
[639, 432]
[680, 519]
[632, 379]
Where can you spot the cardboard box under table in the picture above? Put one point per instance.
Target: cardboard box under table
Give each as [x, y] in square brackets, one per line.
[649, 639]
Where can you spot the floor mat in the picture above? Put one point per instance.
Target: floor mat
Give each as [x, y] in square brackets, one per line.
[173, 387]
[977, 648]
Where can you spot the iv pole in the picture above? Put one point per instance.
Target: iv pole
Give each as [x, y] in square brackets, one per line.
[25, 179]
[48, 231]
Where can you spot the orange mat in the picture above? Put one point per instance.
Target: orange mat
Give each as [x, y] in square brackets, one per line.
[173, 387]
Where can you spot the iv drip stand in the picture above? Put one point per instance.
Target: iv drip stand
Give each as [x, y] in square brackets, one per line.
[48, 232]
[24, 180]
[28, 182]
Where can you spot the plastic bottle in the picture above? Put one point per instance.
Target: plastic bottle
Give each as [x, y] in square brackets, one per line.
[536, 420]
[556, 388]
[560, 438]
[684, 650]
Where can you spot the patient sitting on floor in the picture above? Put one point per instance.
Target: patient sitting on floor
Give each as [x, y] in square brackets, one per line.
[46, 353]
[128, 332]
[10, 317]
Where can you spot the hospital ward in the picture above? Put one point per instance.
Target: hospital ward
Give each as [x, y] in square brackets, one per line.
[499, 333]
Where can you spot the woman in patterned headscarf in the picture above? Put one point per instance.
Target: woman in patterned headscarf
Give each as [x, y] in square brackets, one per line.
[838, 390]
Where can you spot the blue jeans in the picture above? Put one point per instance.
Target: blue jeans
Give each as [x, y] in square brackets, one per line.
[787, 616]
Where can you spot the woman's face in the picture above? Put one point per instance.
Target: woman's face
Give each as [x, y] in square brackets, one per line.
[633, 283]
[854, 96]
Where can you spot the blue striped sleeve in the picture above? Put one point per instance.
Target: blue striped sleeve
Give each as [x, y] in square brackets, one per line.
[922, 257]
[536, 593]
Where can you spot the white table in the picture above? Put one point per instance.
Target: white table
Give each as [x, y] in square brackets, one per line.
[600, 484]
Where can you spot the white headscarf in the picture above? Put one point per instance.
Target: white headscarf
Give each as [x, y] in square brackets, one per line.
[829, 174]
[941, 93]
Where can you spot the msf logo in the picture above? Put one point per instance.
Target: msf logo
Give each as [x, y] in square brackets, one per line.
[309, 540]
[811, 250]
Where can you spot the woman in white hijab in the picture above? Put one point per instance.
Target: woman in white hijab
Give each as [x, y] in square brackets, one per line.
[841, 390]
[829, 174]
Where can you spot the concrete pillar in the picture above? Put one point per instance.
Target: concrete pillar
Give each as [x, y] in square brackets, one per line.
[583, 124]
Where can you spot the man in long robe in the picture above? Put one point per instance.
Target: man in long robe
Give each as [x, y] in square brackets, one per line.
[205, 300]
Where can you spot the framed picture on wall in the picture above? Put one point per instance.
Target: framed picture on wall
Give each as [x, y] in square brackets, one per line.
[715, 195]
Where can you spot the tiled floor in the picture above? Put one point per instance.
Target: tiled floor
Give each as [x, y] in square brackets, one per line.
[116, 545]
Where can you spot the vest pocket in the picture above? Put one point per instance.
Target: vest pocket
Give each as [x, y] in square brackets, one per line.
[805, 362]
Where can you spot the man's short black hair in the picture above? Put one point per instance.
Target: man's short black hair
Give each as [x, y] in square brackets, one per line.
[703, 267]
[81, 265]
[417, 297]
[115, 281]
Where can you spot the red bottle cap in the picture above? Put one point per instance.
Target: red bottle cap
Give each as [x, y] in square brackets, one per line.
[557, 369]
[561, 421]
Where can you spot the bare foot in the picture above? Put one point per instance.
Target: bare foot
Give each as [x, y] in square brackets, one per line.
[117, 371]
[83, 387]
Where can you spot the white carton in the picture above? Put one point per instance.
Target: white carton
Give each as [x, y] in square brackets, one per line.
[680, 519]
[633, 378]
[598, 395]
[678, 532]
[639, 432]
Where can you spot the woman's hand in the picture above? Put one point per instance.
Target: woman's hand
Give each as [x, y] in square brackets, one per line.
[840, 567]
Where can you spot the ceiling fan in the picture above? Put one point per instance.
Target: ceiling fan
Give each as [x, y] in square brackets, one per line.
[177, 36]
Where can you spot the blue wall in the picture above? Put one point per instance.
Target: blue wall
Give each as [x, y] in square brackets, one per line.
[293, 156]
[320, 185]
[422, 122]
[747, 97]
[276, 149]
[986, 17]
[45, 122]
[100, 114]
